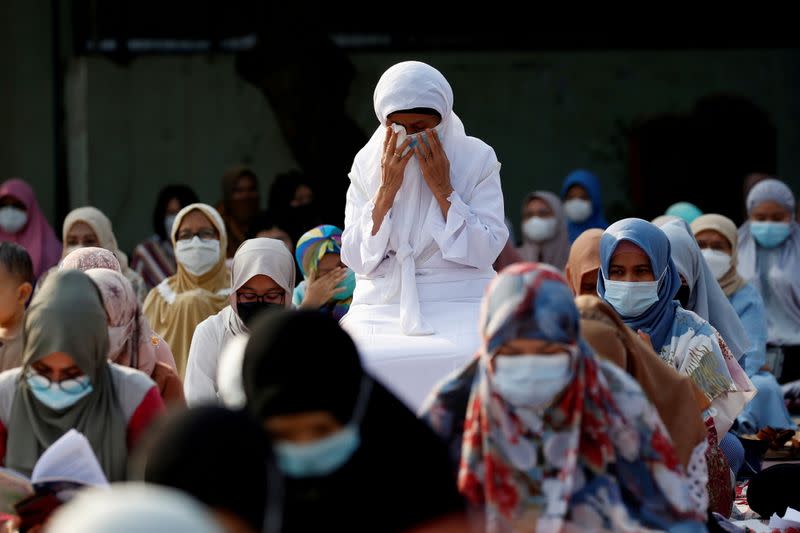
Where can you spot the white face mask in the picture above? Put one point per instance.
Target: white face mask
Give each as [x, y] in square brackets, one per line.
[12, 219]
[540, 229]
[631, 298]
[197, 256]
[719, 263]
[578, 209]
[531, 380]
[169, 221]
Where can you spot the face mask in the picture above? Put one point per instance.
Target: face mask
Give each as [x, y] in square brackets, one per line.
[631, 298]
[530, 380]
[247, 311]
[348, 284]
[770, 234]
[12, 219]
[196, 256]
[577, 209]
[321, 457]
[719, 263]
[540, 229]
[683, 296]
[56, 398]
[169, 221]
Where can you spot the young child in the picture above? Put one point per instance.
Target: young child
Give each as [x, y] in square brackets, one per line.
[16, 277]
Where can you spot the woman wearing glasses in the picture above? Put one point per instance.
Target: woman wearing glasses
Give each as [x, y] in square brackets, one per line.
[262, 277]
[199, 288]
[66, 382]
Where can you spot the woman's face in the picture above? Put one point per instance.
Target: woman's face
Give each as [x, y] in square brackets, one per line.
[589, 283]
[578, 192]
[630, 263]
[537, 208]
[173, 207]
[11, 201]
[81, 235]
[713, 240]
[261, 287]
[246, 188]
[770, 211]
[303, 195]
[196, 223]
[530, 346]
[57, 367]
[414, 122]
[328, 263]
[302, 428]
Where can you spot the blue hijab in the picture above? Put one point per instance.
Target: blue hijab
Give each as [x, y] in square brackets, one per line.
[656, 321]
[588, 181]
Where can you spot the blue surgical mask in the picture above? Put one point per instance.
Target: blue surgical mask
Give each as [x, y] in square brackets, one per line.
[326, 455]
[54, 396]
[348, 284]
[531, 380]
[631, 298]
[770, 234]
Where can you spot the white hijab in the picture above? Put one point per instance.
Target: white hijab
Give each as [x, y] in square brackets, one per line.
[269, 257]
[410, 85]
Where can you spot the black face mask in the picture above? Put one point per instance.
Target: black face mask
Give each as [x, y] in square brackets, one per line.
[248, 311]
[683, 296]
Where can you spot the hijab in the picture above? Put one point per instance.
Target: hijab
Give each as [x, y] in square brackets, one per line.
[684, 210]
[410, 85]
[555, 250]
[731, 282]
[37, 237]
[67, 315]
[237, 213]
[101, 226]
[782, 278]
[591, 183]
[677, 399]
[268, 257]
[571, 462]
[658, 320]
[584, 257]
[201, 450]
[177, 305]
[705, 295]
[311, 248]
[84, 259]
[122, 308]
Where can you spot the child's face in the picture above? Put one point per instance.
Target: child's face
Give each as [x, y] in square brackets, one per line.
[13, 294]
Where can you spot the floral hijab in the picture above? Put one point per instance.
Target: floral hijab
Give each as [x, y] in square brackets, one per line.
[597, 458]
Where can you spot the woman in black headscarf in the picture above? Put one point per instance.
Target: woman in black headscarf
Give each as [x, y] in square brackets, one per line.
[220, 457]
[354, 457]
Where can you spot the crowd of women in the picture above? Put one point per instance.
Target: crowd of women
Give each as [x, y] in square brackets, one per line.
[416, 370]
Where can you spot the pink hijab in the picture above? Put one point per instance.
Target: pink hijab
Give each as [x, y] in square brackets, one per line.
[37, 237]
[84, 259]
[132, 341]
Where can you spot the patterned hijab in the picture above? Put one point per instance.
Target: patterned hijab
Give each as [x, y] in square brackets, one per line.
[84, 259]
[311, 248]
[587, 461]
[731, 281]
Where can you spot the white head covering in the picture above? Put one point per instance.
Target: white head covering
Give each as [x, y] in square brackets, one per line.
[229, 372]
[410, 85]
[133, 508]
[268, 257]
[707, 298]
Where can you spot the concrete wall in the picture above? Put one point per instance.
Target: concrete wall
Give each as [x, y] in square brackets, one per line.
[185, 119]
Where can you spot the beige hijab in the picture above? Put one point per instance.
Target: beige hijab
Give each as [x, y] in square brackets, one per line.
[555, 250]
[676, 398]
[101, 226]
[731, 281]
[179, 303]
[584, 257]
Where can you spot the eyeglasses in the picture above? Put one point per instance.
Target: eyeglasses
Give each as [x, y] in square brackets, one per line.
[274, 296]
[70, 385]
[206, 234]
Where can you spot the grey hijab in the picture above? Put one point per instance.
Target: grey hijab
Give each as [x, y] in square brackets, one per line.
[67, 315]
[706, 297]
[555, 251]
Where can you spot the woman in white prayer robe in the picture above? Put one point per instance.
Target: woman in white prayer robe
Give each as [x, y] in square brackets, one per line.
[424, 222]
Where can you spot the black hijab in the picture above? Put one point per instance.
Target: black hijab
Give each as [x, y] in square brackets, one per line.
[300, 361]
